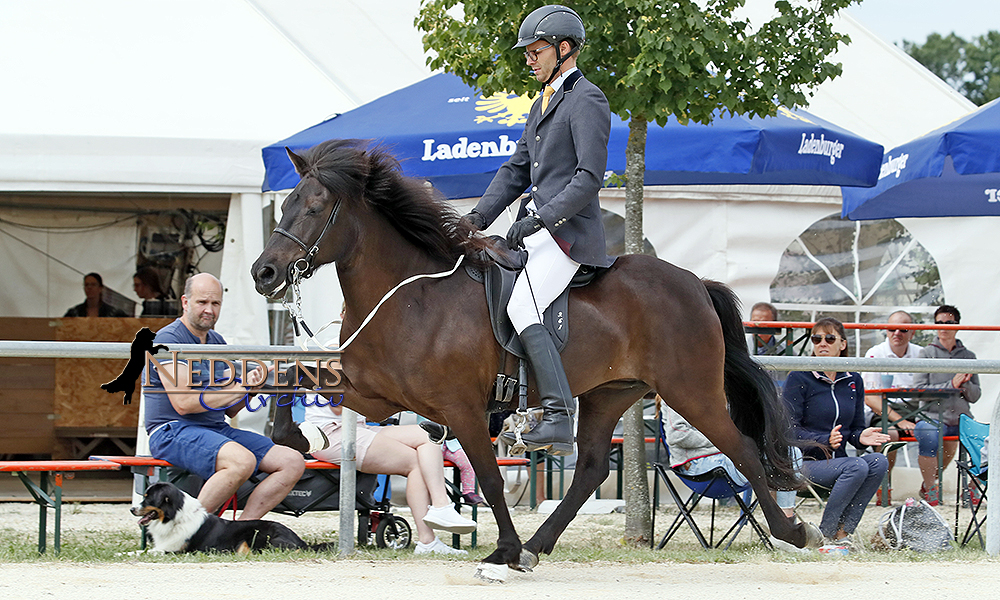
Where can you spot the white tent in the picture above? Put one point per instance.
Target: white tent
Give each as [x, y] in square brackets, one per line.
[162, 101]
[153, 101]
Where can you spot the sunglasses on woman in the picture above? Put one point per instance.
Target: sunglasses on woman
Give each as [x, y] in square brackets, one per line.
[830, 338]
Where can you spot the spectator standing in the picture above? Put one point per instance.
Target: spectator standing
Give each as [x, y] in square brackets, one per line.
[94, 305]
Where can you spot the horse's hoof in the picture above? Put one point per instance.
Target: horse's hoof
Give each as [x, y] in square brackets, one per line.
[814, 537]
[491, 572]
[527, 562]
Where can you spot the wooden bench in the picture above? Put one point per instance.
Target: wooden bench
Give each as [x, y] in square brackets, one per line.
[48, 492]
[146, 467]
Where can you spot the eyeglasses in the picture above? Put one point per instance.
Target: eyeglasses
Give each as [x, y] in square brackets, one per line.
[946, 322]
[897, 330]
[532, 55]
[830, 338]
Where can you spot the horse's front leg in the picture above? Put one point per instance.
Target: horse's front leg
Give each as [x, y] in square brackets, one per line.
[474, 436]
[599, 412]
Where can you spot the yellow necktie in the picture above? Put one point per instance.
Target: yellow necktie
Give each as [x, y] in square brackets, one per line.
[546, 94]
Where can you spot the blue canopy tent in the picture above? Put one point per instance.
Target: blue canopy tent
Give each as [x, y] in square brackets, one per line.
[444, 131]
[953, 171]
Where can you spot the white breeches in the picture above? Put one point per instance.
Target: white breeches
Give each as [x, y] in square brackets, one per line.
[545, 276]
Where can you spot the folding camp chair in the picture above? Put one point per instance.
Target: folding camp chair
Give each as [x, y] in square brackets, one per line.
[972, 476]
[715, 484]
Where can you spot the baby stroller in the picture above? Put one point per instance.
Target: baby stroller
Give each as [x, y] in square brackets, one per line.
[319, 490]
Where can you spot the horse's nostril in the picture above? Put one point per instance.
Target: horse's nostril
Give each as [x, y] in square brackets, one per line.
[265, 274]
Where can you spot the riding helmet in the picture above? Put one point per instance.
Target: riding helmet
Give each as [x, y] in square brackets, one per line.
[553, 23]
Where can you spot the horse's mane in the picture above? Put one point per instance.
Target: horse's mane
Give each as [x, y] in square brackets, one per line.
[357, 169]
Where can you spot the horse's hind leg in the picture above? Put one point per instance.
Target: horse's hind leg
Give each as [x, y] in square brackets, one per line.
[708, 414]
[599, 412]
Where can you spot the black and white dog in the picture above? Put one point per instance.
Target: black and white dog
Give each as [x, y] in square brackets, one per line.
[177, 522]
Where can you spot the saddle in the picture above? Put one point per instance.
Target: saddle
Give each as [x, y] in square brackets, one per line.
[502, 267]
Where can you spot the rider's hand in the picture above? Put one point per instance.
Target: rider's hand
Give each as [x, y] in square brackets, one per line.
[522, 229]
[475, 220]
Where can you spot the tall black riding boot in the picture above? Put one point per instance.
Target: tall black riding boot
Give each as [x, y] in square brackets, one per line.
[555, 431]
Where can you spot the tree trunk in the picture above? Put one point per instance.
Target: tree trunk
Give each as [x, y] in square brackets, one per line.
[638, 520]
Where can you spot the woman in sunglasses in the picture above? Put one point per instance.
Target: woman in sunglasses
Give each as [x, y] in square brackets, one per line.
[827, 411]
[945, 411]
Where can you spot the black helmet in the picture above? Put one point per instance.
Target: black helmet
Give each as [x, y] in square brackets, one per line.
[553, 23]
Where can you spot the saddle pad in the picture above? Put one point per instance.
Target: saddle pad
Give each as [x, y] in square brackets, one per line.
[499, 280]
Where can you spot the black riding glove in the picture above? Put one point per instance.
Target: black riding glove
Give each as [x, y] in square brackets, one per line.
[475, 220]
[522, 229]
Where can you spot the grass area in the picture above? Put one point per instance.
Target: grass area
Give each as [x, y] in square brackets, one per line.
[106, 534]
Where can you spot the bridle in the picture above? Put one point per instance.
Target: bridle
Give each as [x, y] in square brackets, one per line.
[303, 267]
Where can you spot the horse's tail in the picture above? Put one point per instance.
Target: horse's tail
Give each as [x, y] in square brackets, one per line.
[753, 399]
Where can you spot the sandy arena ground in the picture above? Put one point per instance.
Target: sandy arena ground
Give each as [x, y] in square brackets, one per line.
[447, 579]
[421, 577]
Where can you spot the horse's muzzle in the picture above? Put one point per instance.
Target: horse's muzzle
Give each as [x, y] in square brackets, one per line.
[266, 278]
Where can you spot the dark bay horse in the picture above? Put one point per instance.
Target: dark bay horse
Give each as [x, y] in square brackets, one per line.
[643, 325]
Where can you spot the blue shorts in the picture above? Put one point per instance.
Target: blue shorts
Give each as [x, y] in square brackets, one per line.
[195, 448]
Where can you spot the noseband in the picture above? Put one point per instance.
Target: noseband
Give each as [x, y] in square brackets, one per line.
[303, 267]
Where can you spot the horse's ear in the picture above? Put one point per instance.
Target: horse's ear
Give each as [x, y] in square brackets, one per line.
[297, 161]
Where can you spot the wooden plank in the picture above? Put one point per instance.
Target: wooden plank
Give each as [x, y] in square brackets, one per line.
[25, 401]
[26, 425]
[26, 445]
[28, 375]
[28, 328]
[78, 399]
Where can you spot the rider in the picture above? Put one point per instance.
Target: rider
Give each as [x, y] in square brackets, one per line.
[562, 155]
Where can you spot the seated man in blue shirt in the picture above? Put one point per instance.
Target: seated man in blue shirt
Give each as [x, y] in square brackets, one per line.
[186, 423]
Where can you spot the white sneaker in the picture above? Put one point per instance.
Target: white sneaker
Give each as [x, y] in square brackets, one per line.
[786, 547]
[447, 519]
[438, 547]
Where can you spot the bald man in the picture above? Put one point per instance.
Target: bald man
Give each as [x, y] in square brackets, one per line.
[187, 427]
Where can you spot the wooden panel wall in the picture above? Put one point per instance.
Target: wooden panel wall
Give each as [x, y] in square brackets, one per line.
[79, 400]
[38, 395]
[26, 386]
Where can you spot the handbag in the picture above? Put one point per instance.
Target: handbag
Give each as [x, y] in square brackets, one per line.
[914, 525]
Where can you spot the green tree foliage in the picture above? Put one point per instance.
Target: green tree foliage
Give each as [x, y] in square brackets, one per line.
[686, 58]
[652, 59]
[971, 67]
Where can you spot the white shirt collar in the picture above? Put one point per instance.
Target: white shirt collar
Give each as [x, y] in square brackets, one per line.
[559, 80]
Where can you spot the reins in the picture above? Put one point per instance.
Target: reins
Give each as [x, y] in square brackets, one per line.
[296, 310]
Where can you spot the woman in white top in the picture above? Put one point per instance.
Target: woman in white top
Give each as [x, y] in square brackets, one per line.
[398, 450]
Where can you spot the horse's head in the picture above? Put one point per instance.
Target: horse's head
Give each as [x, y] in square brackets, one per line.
[347, 190]
[305, 238]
